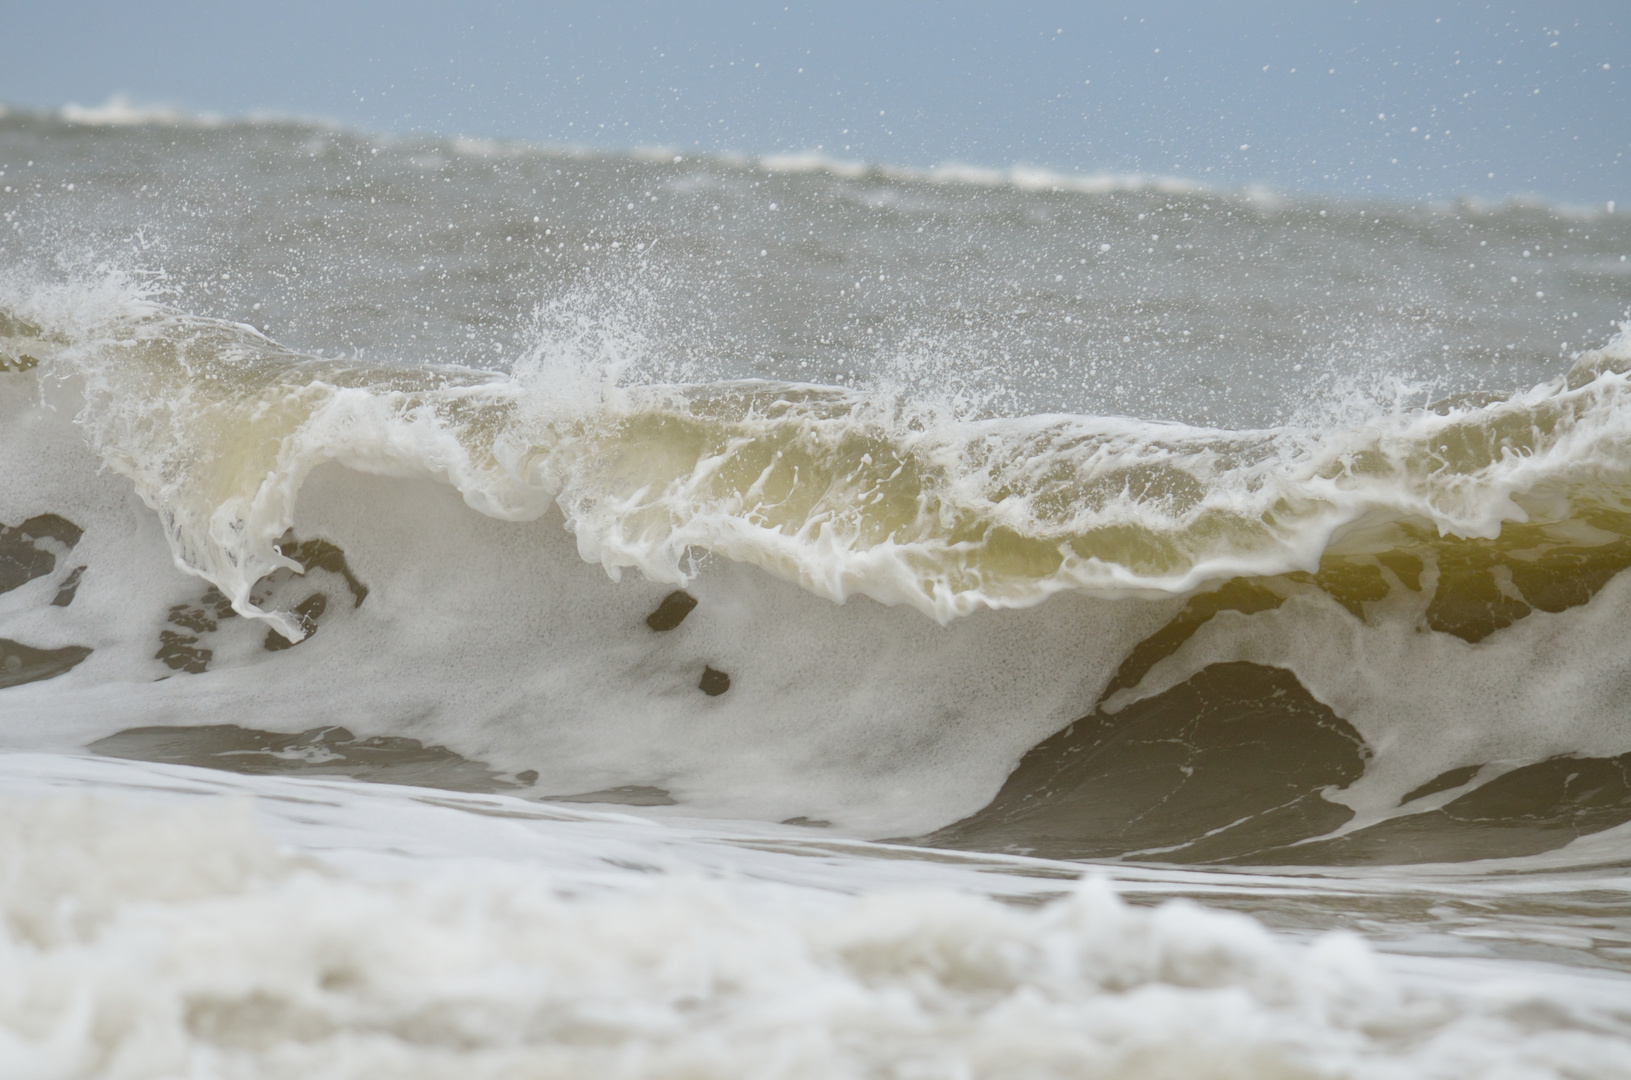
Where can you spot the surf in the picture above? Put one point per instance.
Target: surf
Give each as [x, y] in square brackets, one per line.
[898, 620]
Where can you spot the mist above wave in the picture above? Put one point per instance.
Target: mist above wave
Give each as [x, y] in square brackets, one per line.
[1032, 292]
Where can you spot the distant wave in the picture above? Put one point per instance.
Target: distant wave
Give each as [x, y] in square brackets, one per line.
[120, 110]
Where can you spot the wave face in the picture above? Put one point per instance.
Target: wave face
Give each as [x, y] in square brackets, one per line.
[1413, 534]
[848, 513]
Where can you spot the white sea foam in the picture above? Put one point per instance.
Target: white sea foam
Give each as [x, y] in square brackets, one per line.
[1019, 177]
[193, 945]
[120, 110]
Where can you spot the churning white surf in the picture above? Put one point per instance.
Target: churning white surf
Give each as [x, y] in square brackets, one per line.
[171, 936]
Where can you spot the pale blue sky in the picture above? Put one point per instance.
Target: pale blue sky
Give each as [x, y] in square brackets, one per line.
[1394, 97]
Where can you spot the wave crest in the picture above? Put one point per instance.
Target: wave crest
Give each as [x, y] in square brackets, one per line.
[840, 491]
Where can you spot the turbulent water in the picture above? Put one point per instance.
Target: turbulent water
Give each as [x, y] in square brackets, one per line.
[800, 618]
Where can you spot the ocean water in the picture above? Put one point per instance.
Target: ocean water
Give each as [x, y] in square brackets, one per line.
[477, 609]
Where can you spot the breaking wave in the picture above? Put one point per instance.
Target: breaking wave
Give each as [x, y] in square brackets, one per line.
[844, 492]
[1219, 583]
